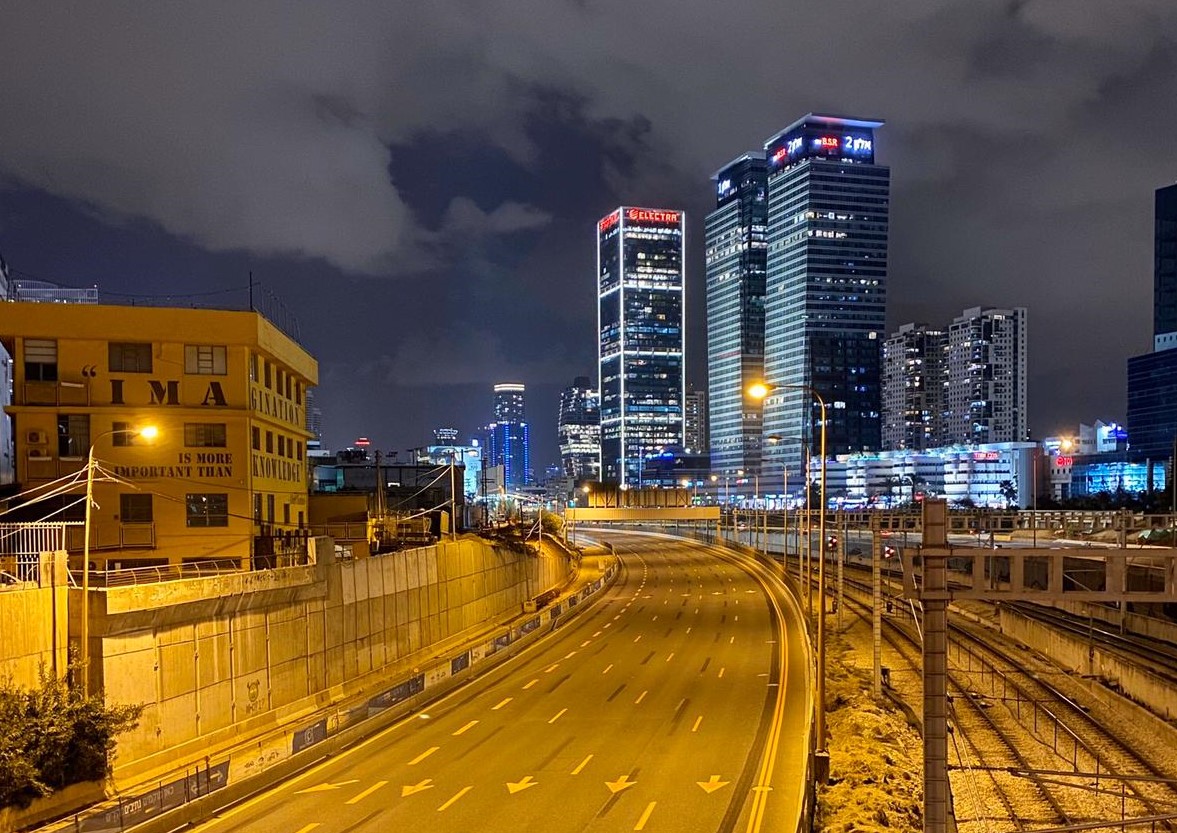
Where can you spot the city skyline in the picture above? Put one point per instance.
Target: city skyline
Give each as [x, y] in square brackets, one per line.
[416, 208]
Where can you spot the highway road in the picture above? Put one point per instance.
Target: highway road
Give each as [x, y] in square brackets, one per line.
[678, 702]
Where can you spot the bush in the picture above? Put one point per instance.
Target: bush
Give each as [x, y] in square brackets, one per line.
[54, 736]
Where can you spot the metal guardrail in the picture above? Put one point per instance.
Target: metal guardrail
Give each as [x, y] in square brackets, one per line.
[161, 573]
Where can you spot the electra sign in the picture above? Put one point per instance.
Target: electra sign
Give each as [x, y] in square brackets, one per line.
[646, 215]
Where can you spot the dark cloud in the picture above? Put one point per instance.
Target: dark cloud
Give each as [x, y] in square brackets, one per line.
[464, 149]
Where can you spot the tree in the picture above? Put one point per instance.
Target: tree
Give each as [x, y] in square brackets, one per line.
[1009, 491]
[54, 736]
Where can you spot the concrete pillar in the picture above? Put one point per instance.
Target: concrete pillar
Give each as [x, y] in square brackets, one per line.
[876, 559]
[937, 790]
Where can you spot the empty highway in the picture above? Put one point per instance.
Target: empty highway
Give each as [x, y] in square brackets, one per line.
[678, 702]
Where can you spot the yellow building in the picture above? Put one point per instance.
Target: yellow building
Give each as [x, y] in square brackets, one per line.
[225, 479]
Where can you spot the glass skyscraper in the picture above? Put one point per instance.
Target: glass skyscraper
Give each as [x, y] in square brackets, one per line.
[640, 261]
[579, 430]
[737, 248]
[506, 439]
[826, 286]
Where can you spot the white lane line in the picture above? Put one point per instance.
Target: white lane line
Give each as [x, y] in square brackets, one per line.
[570, 655]
[366, 793]
[424, 755]
[501, 703]
[582, 765]
[586, 642]
[595, 635]
[669, 658]
[457, 795]
[551, 668]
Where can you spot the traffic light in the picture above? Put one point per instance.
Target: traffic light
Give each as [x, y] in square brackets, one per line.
[831, 542]
[889, 551]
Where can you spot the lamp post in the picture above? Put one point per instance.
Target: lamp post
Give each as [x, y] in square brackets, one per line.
[760, 391]
[147, 432]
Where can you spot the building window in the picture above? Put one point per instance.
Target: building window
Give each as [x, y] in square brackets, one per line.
[298, 445]
[135, 508]
[129, 357]
[207, 509]
[124, 435]
[73, 435]
[204, 434]
[270, 507]
[281, 446]
[40, 360]
[298, 393]
[205, 359]
[286, 514]
[256, 438]
[289, 387]
[269, 442]
[257, 507]
[279, 377]
[253, 367]
[267, 371]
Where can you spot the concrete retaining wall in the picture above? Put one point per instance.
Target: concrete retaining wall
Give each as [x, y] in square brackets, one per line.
[33, 625]
[218, 660]
[1075, 654]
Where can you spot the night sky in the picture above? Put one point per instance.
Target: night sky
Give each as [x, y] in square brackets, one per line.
[417, 182]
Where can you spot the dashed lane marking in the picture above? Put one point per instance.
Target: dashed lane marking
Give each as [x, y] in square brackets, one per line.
[501, 703]
[425, 754]
[366, 793]
[455, 797]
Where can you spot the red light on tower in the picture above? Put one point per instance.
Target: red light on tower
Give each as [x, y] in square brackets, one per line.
[363, 442]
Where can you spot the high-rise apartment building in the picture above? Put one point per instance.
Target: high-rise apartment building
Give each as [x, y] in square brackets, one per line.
[986, 399]
[579, 430]
[506, 440]
[915, 380]
[736, 253]
[1152, 377]
[825, 286]
[314, 421]
[695, 434]
[640, 263]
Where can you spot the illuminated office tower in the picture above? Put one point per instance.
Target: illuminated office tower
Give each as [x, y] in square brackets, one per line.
[695, 436]
[986, 394]
[826, 286]
[736, 252]
[640, 262]
[579, 430]
[506, 439]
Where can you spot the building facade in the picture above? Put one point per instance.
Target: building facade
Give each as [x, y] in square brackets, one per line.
[825, 287]
[578, 429]
[226, 478]
[695, 434]
[736, 260]
[641, 344]
[507, 440]
[986, 397]
[915, 381]
[1165, 268]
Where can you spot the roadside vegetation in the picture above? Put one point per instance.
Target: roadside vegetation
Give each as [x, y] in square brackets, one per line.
[52, 736]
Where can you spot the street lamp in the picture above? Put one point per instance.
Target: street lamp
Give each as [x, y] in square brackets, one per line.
[147, 432]
[759, 391]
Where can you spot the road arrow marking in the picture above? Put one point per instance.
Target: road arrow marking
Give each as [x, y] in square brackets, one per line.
[423, 784]
[318, 788]
[712, 785]
[366, 793]
[620, 784]
[519, 786]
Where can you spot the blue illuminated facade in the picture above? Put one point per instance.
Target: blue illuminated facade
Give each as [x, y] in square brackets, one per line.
[506, 440]
[640, 262]
[826, 286]
[736, 258]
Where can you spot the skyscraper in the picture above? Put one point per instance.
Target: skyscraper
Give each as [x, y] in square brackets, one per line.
[915, 379]
[695, 436]
[579, 430]
[506, 439]
[640, 261]
[736, 255]
[826, 285]
[986, 400]
[1164, 308]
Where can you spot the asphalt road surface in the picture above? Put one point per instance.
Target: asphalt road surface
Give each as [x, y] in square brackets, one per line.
[678, 702]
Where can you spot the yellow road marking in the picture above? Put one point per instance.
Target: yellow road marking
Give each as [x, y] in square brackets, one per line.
[641, 697]
[730, 641]
[721, 670]
[551, 668]
[582, 765]
[456, 796]
[465, 728]
[586, 642]
[570, 655]
[424, 755]
[557, 715]
[638, 638]
[688, 630]
[309, 827]
[655, 619]
[698, 720]
[530, 684]
[501, 703]
[669, 658]
[608, 668]
[595, 635]
[645, 816]
[366, 793]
